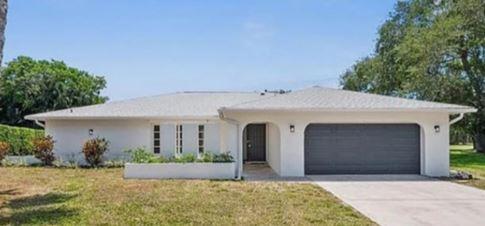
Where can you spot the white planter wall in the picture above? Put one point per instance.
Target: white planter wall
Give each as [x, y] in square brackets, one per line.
[180, 170]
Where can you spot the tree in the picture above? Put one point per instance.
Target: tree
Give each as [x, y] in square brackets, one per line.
[430, 50]
[32, 86]
[3, 25]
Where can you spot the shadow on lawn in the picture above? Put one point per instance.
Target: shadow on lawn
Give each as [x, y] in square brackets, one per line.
[39, 200]
[39, 209]
[10, 192]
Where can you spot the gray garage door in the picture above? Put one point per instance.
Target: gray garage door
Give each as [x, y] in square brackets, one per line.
[362, 149]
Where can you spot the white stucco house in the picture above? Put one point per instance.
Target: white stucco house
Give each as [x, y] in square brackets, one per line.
[311, 131]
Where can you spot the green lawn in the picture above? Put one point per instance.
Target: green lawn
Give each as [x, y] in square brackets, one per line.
[102, 197]
[464, 158]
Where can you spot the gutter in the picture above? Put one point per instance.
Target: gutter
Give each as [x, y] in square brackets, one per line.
[39, 123]
[369, 110]
[457, 119]
[44, 118]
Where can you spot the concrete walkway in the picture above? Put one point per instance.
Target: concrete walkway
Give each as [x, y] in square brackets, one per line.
[261, 172]
[408, 199]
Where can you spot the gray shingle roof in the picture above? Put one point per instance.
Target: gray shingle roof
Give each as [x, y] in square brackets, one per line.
[206, 104]
[175, 105]
[319, 98]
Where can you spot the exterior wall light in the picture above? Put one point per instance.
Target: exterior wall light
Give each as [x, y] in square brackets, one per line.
[91, 131]
[292, 128]
[436, 128]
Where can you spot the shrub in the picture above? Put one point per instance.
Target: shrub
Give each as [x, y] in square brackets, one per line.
[72, 160]
[114, 163]
[94, 150]
[7, 163]
[20, 139]
[184, 158]
[43, 150]
[4, 148]
[210, 157]
[223, 157]
[141, 155]
[58, 163]
[206, 157]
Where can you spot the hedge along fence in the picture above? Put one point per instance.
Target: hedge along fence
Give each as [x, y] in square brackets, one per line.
[20, 139]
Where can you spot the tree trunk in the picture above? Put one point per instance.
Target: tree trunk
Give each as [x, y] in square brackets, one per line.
[480, 142]
[3, 24]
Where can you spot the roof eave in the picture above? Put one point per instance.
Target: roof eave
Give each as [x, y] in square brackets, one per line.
[443, 110]
[46, 118]
[224, 109]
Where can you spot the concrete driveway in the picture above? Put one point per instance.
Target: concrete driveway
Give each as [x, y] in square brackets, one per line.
[408, 199]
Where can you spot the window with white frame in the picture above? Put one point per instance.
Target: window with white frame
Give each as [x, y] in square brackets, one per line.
[178, 139]
[201, 139]
[156, 139]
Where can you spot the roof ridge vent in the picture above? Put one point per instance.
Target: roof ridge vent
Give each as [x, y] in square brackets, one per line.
[276, 91]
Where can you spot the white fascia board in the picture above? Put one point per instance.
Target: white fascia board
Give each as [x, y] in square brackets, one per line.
[447, 110]
[185, 121]
[154, 118]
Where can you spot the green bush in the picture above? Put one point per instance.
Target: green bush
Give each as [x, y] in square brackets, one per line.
[210, 157]
[20, 139]
[223, 157]
[141, 155]
[184, 158]
[206, 157]
[114, 163]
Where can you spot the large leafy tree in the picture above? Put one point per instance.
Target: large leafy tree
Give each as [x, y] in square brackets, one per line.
[3, 25]
[430, 50]
[31, 86]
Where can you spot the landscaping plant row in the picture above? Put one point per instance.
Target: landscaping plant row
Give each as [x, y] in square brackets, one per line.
[141, 155]
[94, 149]
[43, 149]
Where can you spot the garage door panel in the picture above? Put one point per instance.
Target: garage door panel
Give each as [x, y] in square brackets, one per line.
[360, 154]
[363, 169]
[362, 149]
[407, 167]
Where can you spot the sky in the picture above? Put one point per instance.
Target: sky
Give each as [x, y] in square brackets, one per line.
[149, 47]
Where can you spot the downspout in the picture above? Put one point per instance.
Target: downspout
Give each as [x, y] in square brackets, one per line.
[238, 151]
[457, 119]
[39, 123]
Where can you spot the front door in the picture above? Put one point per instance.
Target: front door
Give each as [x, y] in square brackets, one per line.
[256, 142]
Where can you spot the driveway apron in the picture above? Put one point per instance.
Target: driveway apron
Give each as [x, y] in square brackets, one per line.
[408, 199]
